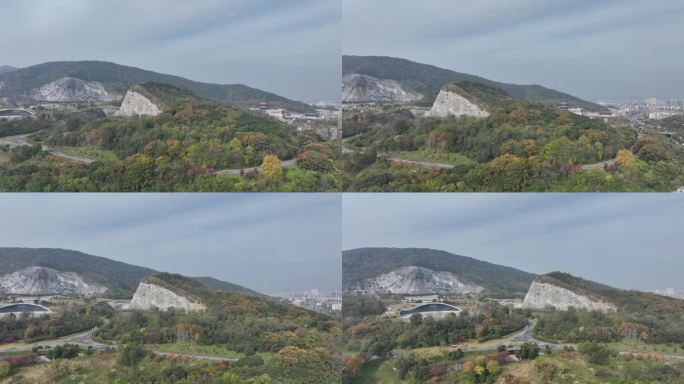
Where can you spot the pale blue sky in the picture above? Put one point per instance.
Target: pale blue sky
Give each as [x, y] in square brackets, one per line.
[625, 240]
[607, 49]
[263, 241]
[290, 47]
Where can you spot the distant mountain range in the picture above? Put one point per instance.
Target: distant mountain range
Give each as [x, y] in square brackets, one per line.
[379, 76]
[44, 82]
[6, 68]
[65, 271]
[366, 268]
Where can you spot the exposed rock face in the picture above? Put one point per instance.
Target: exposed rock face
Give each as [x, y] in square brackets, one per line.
[413, 280]
[543, 295]
[46, 281]
[363, 88]
[135, 104]
[148, 296]
[71, 89]
[452, 104]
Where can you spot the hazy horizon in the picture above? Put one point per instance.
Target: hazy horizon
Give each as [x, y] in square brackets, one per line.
[608, 50]
[628, 241]
[217, 235]
[288, 47]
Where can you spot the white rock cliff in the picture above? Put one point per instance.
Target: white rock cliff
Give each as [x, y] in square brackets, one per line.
[543, 295]
[148, 296]
[450, 103]
[46, 281]
[363, 88]
[135, 104]
[411, 280]
[71, 89]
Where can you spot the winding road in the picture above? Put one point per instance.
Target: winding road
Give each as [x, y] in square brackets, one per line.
[392, 157]
[85, 339]
[22, 140]
[425, 164]
[196, 357]
[236, 171]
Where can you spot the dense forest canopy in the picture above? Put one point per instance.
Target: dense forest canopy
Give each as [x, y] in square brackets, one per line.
[182, 149]
[520, 146]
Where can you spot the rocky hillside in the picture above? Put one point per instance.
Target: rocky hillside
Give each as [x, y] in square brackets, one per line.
[150, 295]
[437, 269]
[135, 104]
[22, 84]
[119, 280]
[46, 281]
[414, 280]
[428, 80]
[363, 88]
[70, 89]
[547, 295]
[450, 103]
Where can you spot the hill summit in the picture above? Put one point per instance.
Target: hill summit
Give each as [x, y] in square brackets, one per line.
[428, 270]
[428, 80]
[61, 271]
[53, 81]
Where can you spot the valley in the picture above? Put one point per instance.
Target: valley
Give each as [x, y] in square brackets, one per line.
[157, 132]
[515, 328]
[508, 138]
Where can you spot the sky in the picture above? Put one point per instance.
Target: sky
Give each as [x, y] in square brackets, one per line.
[608, 49]
[290, 47]
[630, 241]
[266, 242]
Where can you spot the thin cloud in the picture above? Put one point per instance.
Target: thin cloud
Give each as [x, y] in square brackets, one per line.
[253, 42]
[593, 49]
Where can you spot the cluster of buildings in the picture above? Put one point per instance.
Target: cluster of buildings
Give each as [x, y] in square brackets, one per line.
[313, 299]
[326, 121]
[652, 108]
[583, 112]
[670, 292]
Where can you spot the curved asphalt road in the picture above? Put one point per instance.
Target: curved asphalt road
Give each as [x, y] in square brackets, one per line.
[236, 171]
[21, 140]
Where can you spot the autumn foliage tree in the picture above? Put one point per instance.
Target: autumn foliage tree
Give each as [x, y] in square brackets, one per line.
[272, 167]
[625, 159]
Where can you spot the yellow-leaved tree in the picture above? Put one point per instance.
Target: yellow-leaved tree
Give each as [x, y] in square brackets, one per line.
[625, 159]
[272, 167]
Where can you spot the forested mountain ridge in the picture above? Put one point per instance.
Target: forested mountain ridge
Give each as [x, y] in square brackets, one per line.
[120, 279]
[428, 80]
[364, 263]
[183, 146]
[6, 68]
[20, 83]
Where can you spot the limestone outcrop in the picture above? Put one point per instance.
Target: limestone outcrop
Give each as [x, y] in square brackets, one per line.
[358, 88]
[135, 104]
[71, 89]
[149, 296]
[46, 281]
[450, 103]
[542, 295]
[412, 280]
